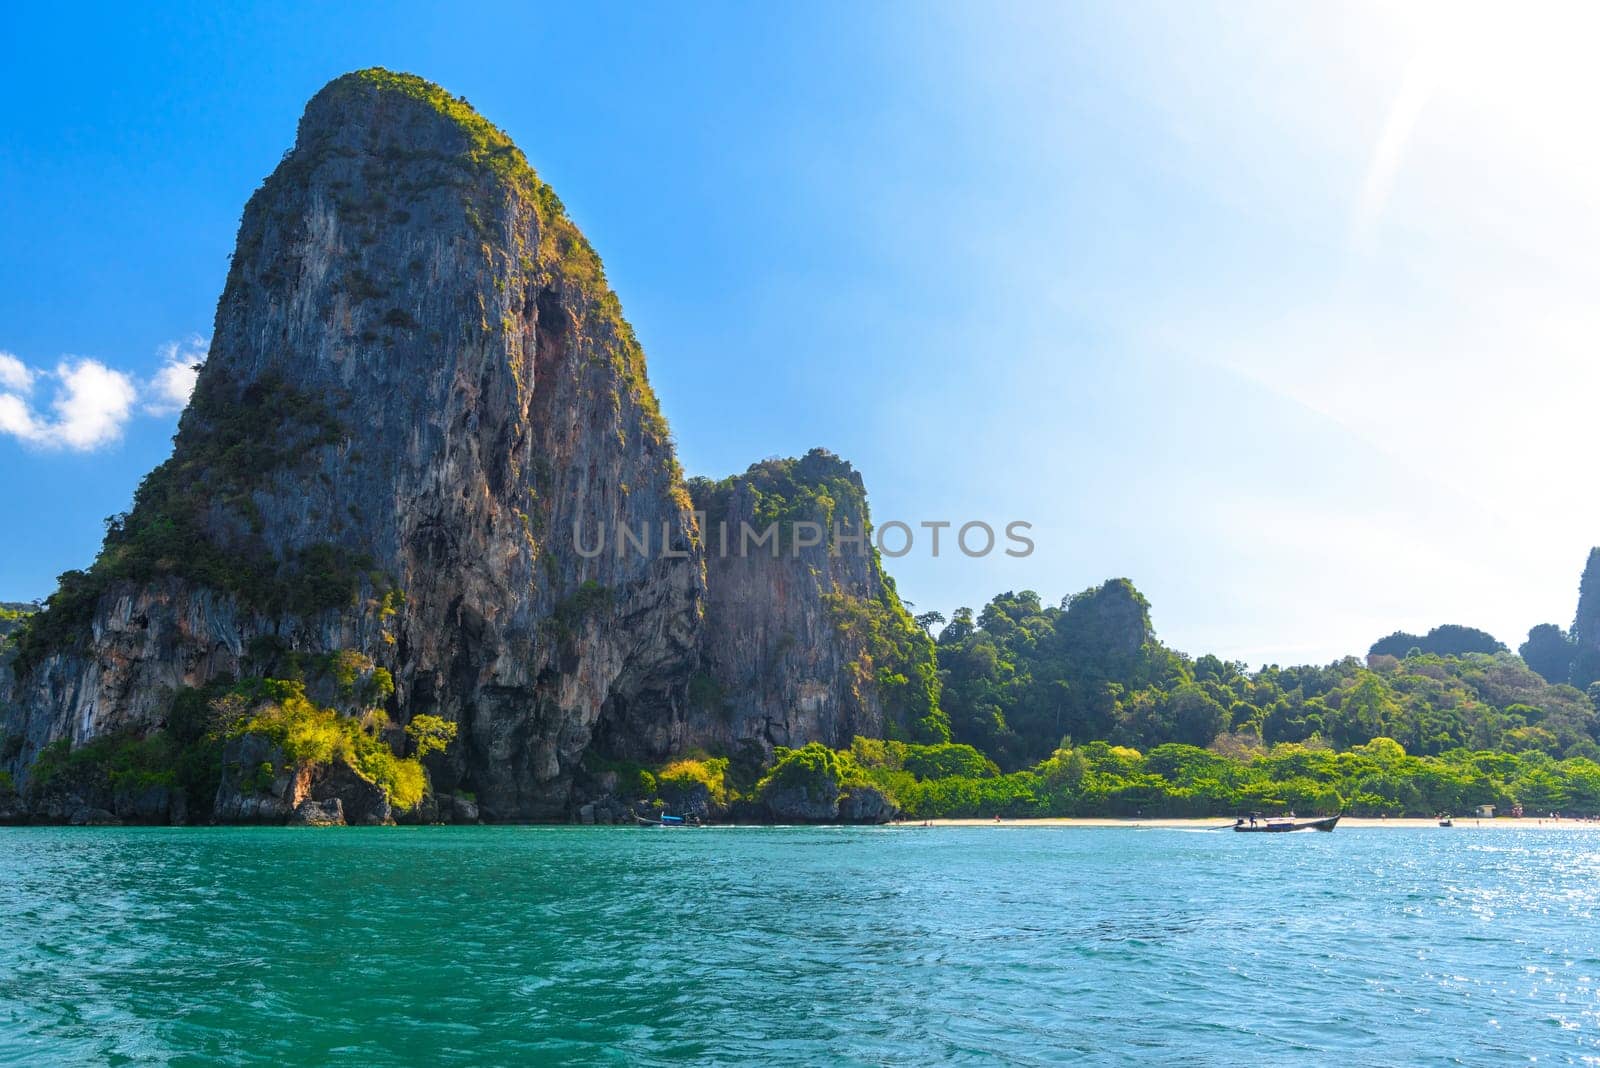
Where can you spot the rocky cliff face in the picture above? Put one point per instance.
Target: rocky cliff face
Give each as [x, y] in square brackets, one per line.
[1586, 626]
[418, 383]
[805, 638]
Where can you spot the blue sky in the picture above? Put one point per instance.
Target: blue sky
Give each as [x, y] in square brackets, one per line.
[1284, 313]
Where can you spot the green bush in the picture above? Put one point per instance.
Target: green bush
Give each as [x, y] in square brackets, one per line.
[814, 768]
[430, 734]
[106, 764]
[280, 710]
[710, 772]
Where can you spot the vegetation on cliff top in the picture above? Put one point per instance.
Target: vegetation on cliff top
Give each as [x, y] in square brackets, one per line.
[819, 487]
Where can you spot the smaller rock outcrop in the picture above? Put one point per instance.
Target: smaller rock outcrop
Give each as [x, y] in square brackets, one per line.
[802, 803]
[85, 816]
[689, 799]
[814, 784]
[364, 802]
[442, 808]
[311, 813]
[454, 808]
[259, 784]
[805, 638]
[866, 804]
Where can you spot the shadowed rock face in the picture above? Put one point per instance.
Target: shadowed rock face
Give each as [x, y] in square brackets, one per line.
[418, 383]
[799, 637]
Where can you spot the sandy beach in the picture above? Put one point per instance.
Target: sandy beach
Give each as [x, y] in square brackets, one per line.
[1467, 823]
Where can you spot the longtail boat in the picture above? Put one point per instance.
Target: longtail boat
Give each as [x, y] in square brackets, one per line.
[1280, 824]
[667, 821]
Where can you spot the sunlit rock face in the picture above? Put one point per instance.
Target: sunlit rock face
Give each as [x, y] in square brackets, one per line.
[418, 383]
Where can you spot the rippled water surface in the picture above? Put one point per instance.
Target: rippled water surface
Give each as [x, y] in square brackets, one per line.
[827, 946]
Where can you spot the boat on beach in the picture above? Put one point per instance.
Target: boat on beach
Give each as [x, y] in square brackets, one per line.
[1280, 824]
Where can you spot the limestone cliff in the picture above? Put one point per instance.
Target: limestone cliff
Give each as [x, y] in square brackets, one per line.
[418, 382]
[805, 637]
[1586, 626]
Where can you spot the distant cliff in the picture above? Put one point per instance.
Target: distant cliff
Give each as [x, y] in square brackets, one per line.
[1571, 656]
[1586, 626]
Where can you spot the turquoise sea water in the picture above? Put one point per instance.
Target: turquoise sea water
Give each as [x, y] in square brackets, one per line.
[515, 945]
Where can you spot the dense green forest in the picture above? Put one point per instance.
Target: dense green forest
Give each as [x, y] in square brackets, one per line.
[1100, 779]
[1078, 709]
[1019, 678]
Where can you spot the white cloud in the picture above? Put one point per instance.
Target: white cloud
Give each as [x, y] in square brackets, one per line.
[15, 377]
[16, 419]
[91, 403]
[169, 390]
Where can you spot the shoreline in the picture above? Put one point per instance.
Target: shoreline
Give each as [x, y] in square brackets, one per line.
[1219, 823]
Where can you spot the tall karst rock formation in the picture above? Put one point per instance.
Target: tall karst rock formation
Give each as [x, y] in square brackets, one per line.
[419, 386]
[418, 382]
